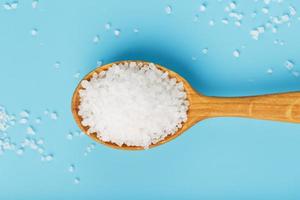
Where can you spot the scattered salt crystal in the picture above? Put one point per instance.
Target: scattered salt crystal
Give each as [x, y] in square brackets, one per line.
[40, 150]
[168, 10]
[232, 5]
[5, 119]
[196, 18]
[46, 112]
[71, 168]
[261, 29]
[34, 4]
[99, 62]
[117, 32]
[238, 23]
[40, 142]
[202, 7]
[265, 10]
[24, 114]
[194, 58]
[57, 64]
[77, 180]
[30, 130]
[270, 71]
[34, 32]
[7, 6]
[20, 151]
[54, 115]
[289, 64]
[136, 30]
[107, 26]
[23, 121]
[236, 53]
[267, 1]
[293, 11]
[70, 136]
[147, 108]
[96, 39]
[254, 34]
[49, 157]
[14, 5]
[225, 21]
[211, 22]
[77, 75]
[205, 50]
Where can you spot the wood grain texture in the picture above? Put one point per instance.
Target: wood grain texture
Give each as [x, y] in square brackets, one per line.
[279, 107]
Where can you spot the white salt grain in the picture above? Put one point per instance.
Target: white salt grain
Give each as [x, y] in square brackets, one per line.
[202, 7]
[34, 32]
[30, 130]
[23, 121]
[71, 168]
[117, 32]
[107, 26]
[270, 71]
[205, 50]
[289, 64]
[236, 53]
[34, 4]
[96, 39]
[24, 114]
[14, 5]
[7, 6]
[168, 10]
[57, 64]
[76, 180]
[136, 104]
[54, 115]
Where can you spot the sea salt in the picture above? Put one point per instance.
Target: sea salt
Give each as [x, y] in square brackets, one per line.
[54, 115]
[202, 7]
[34, 32]
[71, 168]
[168, 10]
[117, 32]
[236, 53]
[77, 180]
[5, 119]
[289, 65]
[96, 39]
[107, 26]
[34, 4]
[30, 130]
[133, 103]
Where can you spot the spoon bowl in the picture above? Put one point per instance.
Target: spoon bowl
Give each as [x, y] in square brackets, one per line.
[278, 107]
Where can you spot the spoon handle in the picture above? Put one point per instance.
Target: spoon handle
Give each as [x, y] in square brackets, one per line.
[278, 107]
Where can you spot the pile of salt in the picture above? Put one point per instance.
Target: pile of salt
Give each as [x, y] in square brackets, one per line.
[133, 103]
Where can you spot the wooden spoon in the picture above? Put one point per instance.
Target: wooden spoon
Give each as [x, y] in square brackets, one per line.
[278, 107]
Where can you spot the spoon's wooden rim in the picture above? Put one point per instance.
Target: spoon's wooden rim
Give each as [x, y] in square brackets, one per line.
[76, 101]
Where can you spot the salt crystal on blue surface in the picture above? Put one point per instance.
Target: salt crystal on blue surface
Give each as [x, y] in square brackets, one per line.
[96, 39]
[265, 10]
[34, 32]
[30, 130]
[117, 32]
[236, 53]
[77, 75]
[99, 62]
[57, 64]
[23, 121]
[232, 5]
[34, 4]
[254, 34]
[71, 168]
[292, 10]
[225, 21]
[205, 50]
[38, 120]
[54, 115]
[49, 157]
[211, 22]
[238, 23]
[77, 180]
[14, 5]
[107, 26]
[289, 64]
[40, 142]
[135, 30]
[70, 136]
[168, 10]
[202, 7]
[24, 114]
[7, 6]
[20, 151]
[270, 71]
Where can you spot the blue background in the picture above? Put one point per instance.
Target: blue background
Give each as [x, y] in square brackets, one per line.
[222, 158]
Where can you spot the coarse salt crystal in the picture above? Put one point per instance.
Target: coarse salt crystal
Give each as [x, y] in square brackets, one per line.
[117, 32]
[96, 39]
[34, 32]
[34, 4]
[137, 95]
[168, 10]
[236, 53]
[107, 26]
[289, 64]
[202, 8]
